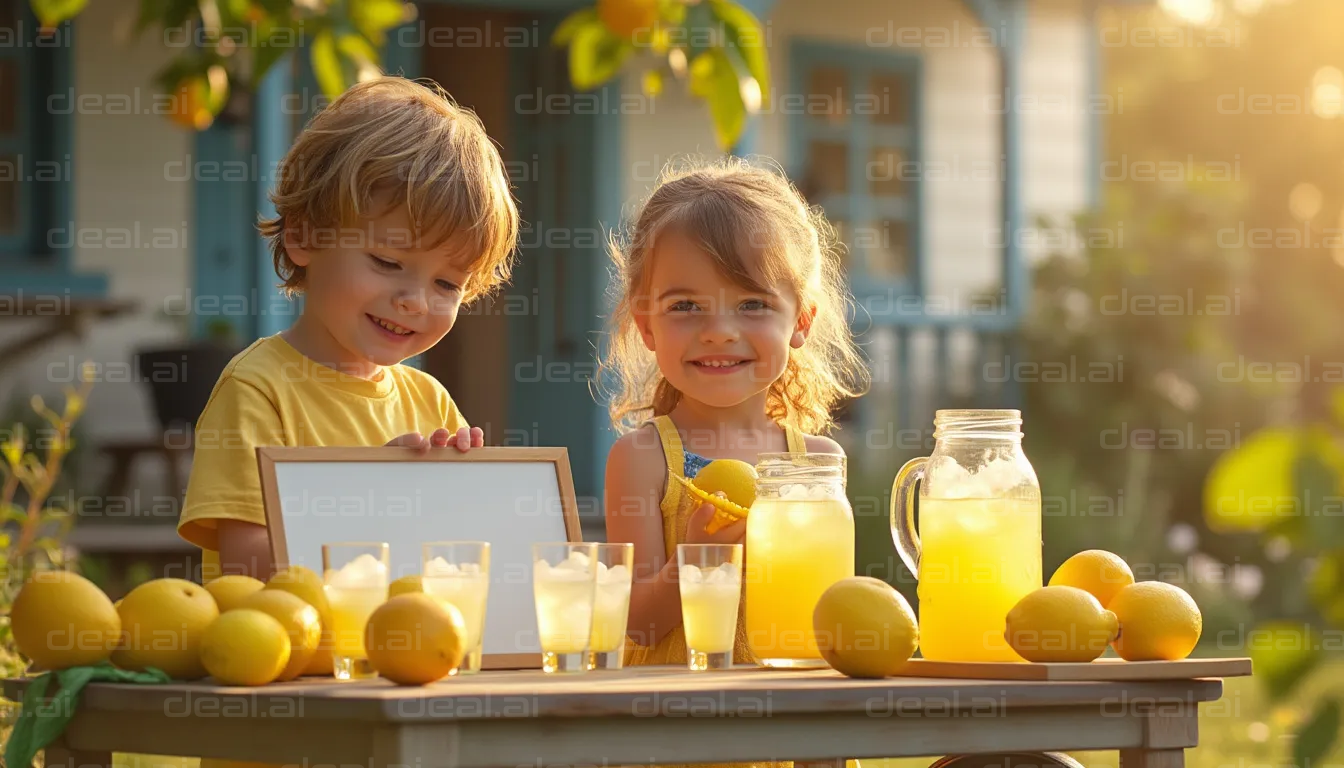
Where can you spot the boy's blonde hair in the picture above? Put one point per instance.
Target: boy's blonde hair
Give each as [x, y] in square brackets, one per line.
[752, 222]
[389, 142]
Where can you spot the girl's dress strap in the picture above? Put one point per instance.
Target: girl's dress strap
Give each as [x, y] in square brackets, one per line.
[797, 443]
[675, 456]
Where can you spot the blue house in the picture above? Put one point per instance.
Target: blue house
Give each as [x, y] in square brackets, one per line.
[931, 131]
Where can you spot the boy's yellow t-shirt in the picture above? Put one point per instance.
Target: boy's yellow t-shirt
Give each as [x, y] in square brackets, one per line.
[271, 395]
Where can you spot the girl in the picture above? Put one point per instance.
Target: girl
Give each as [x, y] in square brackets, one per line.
[729, 339]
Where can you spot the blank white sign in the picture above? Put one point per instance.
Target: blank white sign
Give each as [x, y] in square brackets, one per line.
[510, 497]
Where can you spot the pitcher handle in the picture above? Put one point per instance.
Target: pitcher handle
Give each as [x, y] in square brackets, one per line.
[903, 531]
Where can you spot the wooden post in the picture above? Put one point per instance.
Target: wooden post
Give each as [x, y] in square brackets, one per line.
[1152, 758]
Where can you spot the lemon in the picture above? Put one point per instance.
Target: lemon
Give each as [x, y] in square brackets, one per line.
[625, 17]
[300, 621]
[1096, 571]
[61, 619]
[414, 639]
[162, 622]
[1059, 624]
[736, 480]
[864, 628]
[229, 591]
[245, 647]
[1157, 621]
[307, 585]
[405, 586]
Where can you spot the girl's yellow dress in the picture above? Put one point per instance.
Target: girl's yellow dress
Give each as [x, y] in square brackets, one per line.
[676, 507]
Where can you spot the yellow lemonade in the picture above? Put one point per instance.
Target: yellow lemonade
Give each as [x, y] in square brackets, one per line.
[611, 609]
[564, 608]
[350, 611]
[468, 591]
[709, 611]
[796, 549]
[978, 558]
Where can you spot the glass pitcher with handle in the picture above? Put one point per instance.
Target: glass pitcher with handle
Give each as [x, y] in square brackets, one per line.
[978, 547]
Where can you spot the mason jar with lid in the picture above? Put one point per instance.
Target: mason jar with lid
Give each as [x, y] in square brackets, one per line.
[800, 541]
[977, 550]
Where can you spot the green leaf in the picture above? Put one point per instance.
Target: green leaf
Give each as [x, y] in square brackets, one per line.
[1317, 484]
[1282, 655]
[714, 79]
[745, 34]
[575, 21]
[595, 56]
[357, 49]
[13, 513]
[50, 13]
[1251, 486]
[265, 56]
[1316, 738]
[328, 68]
[374, 17]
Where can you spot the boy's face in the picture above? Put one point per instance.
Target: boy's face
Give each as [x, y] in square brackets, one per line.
[378, 295]
[716, 341]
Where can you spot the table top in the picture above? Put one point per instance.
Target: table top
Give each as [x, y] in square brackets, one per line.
[639, 691]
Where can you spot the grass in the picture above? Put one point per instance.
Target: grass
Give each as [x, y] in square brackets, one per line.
[1241, 730]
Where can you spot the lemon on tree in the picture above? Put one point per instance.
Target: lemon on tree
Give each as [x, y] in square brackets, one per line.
[61, 619]
[230, 590]
[300, 621]
[1097, 572]
[1059, 624]
[163, 622]
[413, 639]
[305, 584]
[864, 627]
[736, 480]
[245, 647]
[626, 17]
[1158, 621]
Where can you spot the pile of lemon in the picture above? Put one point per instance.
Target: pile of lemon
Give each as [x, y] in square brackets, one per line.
[235, 629]
[1092, 602]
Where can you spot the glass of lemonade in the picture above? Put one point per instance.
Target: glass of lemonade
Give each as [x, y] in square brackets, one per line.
[611, 605]
[564, 580]
[711, 589]
[355, 580]
[459, 572]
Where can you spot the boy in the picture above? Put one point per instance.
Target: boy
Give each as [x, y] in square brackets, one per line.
[393, 209]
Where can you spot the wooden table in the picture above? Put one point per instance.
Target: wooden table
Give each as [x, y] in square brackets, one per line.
[642, 715]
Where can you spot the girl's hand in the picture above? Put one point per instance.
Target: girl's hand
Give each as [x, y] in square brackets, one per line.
[464, 440]
[735, 533]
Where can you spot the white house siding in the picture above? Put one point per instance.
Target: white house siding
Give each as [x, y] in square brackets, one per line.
[130, 221]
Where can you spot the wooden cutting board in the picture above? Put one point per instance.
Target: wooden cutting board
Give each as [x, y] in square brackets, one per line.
[1101, 669]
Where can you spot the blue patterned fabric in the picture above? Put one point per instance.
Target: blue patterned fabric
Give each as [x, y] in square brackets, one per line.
[692, 464]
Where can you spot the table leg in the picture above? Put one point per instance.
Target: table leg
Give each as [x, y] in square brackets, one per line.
[1152, 758]
[57, 755]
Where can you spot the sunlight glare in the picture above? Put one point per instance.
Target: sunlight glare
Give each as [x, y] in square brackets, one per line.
[1304, 202]
[1327, 92]
[1201, 12]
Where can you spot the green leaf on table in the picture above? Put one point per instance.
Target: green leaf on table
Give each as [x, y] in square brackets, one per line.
[51, 13]
[1283, 654]
[564, 33]
[1316, 738]
[714, 79]
[744, 33]
[595, 56]
[328, 67]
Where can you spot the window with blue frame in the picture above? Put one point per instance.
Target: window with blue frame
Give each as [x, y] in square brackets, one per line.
[35, 164]
[854, 128]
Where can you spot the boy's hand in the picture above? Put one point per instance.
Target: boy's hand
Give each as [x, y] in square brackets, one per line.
[734, 533]
[465, 439]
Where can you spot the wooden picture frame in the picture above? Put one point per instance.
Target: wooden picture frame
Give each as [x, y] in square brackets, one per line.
[496, 494]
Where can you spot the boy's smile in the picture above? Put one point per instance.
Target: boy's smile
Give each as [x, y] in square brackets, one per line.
[376, 297]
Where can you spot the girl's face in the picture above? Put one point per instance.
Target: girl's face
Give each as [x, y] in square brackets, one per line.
[716, 342]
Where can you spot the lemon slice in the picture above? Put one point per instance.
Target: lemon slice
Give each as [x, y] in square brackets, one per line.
[726, 512]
